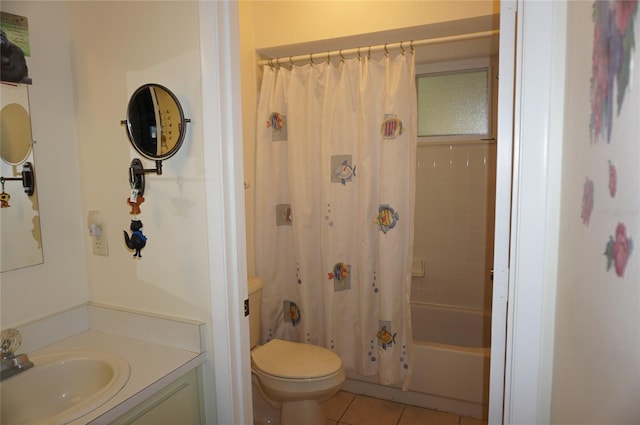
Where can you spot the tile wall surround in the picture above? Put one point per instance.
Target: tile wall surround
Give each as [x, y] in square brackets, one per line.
[454, 225]
[157, 329]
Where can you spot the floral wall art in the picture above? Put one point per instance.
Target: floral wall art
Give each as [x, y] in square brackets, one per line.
[614, 39]
[597, 299]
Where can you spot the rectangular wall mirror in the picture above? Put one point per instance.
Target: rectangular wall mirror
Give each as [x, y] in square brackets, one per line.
[19, 215]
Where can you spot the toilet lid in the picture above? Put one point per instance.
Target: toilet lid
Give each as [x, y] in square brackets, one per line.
[295, 360]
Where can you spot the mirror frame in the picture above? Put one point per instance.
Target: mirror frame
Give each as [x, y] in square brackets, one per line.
[183, 123]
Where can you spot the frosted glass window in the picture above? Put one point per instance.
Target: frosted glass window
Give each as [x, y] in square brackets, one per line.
[453, 104]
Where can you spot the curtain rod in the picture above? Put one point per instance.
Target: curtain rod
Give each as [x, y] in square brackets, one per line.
[362, 51]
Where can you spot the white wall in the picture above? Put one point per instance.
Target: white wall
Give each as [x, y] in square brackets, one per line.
[193, 265]
[61, 281]
[88, 58]
[596, 377]
[117, 47]
[290, 22]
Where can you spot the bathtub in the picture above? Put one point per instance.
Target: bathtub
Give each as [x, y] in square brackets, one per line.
[451, 349]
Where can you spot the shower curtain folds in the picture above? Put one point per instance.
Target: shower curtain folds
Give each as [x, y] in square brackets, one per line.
[335, 199]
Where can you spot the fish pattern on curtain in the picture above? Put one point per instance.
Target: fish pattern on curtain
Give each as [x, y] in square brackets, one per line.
[335, 196]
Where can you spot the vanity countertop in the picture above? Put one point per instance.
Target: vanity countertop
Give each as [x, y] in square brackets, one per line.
[158, 348]
[153, 366]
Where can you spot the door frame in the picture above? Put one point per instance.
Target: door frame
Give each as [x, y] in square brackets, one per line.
[227, 373]
[536, 164]
[504, 167]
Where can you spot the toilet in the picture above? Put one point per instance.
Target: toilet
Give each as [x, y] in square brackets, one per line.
[293, 376]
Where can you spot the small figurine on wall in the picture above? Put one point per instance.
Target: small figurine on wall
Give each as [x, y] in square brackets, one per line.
[4, 197]
[137, 241]
[134, 203]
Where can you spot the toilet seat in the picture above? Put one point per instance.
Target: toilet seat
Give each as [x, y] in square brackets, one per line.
[294, 360]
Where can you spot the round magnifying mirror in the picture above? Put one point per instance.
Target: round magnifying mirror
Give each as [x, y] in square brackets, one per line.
[15, 130]
[155, 122]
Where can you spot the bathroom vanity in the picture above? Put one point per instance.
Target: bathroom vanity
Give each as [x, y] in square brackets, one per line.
[179, 403]
[163, 355]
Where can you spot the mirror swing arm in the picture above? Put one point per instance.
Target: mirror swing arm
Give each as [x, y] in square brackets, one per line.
[27, 179]
[137, 172]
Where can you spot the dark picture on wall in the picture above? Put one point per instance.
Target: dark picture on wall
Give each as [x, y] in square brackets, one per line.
[14, 48]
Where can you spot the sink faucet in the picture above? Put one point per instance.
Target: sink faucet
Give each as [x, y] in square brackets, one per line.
[12, 364]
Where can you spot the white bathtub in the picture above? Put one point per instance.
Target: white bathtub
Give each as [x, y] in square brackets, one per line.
[450, 362]
[451, 356]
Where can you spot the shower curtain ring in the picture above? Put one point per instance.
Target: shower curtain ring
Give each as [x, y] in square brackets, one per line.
[358, 53]
[369, 54]
[278, 62]
[412, 51]
[341, 56]
[328, 57]
[386, 52]
[311, 58]
[402, 48]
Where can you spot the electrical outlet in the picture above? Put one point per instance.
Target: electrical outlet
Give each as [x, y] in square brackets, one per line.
[100, 244]
[97, 233]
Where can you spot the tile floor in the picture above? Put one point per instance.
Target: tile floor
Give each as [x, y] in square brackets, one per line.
[351, 409]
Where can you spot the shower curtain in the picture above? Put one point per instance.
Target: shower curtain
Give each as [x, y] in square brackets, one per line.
[335, 195]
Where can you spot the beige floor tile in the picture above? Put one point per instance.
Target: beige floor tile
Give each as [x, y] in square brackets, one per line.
[335, 407]
[472, 421]
[372, 411]
[418, 416]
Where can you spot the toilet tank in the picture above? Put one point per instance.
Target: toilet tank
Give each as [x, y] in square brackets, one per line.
[255, 303]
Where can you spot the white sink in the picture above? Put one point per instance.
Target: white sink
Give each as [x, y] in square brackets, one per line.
[61, 387]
